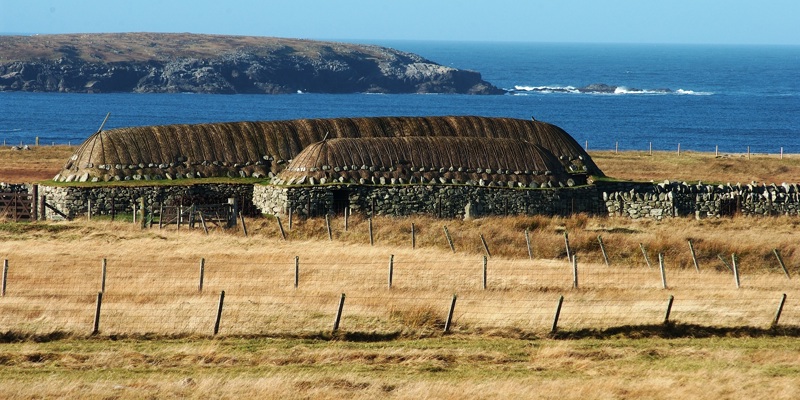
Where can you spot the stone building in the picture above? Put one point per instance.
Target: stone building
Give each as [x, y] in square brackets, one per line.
[443, 176]
[262, 149]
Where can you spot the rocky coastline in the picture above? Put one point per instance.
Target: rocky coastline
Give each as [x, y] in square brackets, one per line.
[214, 64]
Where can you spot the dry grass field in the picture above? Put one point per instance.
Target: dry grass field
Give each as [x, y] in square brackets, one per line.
[276, 341]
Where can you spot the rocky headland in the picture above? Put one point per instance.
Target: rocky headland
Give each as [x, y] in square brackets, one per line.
[174, 63]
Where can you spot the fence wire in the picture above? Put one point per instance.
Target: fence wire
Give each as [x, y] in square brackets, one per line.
[301, 296]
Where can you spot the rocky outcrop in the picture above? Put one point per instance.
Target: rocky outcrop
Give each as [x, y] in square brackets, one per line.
[173, 63]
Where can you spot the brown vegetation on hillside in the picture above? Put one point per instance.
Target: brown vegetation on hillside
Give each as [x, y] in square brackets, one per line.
[145, 46]
[693, 166]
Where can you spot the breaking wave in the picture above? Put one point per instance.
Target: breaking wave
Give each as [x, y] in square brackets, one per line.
[601, 88]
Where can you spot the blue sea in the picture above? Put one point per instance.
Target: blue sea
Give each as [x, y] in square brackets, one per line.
[698, 96]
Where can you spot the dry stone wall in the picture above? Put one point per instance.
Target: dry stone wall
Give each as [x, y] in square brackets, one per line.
[624, 199]
[674, 199]
[74, 200]
[444, 201]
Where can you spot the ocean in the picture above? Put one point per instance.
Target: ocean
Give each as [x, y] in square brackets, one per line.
[695, 96]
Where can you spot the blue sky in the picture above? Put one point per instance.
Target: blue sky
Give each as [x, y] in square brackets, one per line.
[584, 21]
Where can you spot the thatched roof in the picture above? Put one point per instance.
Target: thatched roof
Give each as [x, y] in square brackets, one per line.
[453, 160]
[261, 148]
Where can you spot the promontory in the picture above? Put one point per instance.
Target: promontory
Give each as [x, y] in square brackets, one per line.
[194, 63]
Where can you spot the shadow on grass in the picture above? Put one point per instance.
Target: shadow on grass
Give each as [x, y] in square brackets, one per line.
[675, 331]
[667, 331]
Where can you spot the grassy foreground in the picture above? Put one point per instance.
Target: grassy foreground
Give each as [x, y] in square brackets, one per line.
[706, 358]
[442, 368]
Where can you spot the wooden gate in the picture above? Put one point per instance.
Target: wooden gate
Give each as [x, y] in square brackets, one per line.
[17, 206]
[218, 215]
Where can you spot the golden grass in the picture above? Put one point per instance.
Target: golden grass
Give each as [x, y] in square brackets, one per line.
[153, 277]
[275, 341]
[696, 166]
[39, 163]
[446, 368]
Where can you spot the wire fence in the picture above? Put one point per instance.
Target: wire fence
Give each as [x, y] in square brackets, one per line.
[303, 295]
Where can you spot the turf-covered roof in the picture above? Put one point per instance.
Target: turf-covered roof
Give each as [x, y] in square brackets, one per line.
[260, 148]
[443, 159]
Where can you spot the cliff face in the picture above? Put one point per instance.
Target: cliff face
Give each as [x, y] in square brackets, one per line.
[168, 63]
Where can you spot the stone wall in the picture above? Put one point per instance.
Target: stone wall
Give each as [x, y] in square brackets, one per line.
[625, 199]
[14, 187]
[74, 200]
[443, 201]
[672, 199]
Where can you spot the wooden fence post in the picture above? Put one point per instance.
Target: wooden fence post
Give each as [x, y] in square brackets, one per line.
[202, 222]
[485, 267]
[644, 252]
[96, 326]
[566, 244]
[43, 207]
[449, 239]
[528, 244]
[103, 277]
[413, 237]
[202, 274]
[280, 226]
[34, 206]
[663, 271]
[779, 311]
[296, 271]
[391, 270]
[725, 262]
[574, 271]
[5, 278]
[558, 314]
[603, 249]
[244, 227]
[780, 261]
[88, 209]
[328, 226]
[346, 217]
[449, 320]
[669, 309]
[371, 237]
[338, 314]
[142, 212]
[694, 256]
[219, 312]
[485, 246]
[735, 270]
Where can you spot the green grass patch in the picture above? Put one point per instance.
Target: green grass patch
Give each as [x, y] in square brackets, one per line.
[160, 182]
